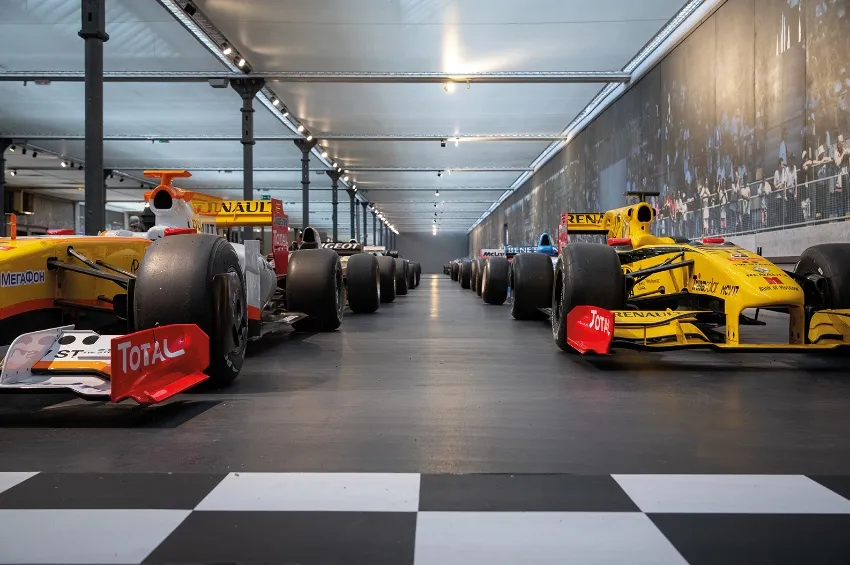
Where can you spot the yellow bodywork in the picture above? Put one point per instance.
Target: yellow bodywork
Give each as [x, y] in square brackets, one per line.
[738, 279]
[26, 283]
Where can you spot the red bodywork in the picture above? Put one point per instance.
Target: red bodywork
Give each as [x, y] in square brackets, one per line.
[152, 365]
[590, 328]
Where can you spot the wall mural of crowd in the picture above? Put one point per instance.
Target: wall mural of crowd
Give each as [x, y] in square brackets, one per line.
[740, 128]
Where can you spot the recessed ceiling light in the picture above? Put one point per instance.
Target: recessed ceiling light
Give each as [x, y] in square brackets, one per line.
[300, 128]
[309, 138]
[227, 50]
[240, 63]
[275, 102]
[13, 172]
[325, 154]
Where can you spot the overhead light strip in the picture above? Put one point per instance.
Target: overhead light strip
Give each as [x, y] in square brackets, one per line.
[213, 40]
[646, 58]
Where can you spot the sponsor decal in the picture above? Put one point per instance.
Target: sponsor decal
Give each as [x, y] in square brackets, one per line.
[709, 287]
[146, 354]
[492, 253]
[5, 248]
[729, 290]
[342, 246]
[21, 278]
[599, 323]
[636, 314]
[762, 270]
[738, 256]
[774, 287]
[773, 280]
[583, 219]
[516, 249]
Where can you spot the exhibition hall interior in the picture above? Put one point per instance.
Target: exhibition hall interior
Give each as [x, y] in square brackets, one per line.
[427, 282]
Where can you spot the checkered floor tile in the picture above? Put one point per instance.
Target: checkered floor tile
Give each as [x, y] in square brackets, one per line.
[423, 519]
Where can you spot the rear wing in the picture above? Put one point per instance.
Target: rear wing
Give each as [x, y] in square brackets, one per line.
[584, 222]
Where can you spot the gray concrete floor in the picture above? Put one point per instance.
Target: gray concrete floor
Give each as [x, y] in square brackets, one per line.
[439, 382]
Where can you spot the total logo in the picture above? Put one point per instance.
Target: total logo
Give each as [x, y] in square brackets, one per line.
[146, 354]
[21, 278]
[599, 323]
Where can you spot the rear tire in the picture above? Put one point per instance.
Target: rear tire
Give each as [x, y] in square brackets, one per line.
[364, 283]
[411, 275]
[455, 271]
[831, 261]
[386, 266]
[466, 274]
[175, 285]
[479, 279]
[533, 277]
[418, 273]
[474, 275]
[314, 287]
[400, 277]
[587, 274]
[494, 282]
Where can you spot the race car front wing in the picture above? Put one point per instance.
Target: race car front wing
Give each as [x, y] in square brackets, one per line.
[596, 330]
[147, 366]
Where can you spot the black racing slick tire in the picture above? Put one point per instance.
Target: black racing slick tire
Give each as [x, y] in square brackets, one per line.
[314, 286]
[418, 273]
[474, 275]
[386, 266]
[455, 271]
[411, 275]
[532, 280]
[587, 274]
[466, 274]
[176, 284]
[400, 277]
[363, 281]
[494, 280]
[832, 262]
[479, 279]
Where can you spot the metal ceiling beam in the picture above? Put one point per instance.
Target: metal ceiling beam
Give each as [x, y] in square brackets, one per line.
[349, 169]
[506, 77]
[291, 137]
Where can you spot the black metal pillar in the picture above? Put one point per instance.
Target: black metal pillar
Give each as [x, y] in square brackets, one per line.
[305, 147]
[352, 234]
[335, 201]
[374, 227]
[4, 145]
[247, 88]
[365, 225]
[93, 31]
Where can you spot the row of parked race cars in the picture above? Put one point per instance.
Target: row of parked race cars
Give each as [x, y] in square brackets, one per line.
[148, 315]
[625, 287]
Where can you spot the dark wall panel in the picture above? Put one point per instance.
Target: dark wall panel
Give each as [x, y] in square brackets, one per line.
[759, 81]
[432, 251]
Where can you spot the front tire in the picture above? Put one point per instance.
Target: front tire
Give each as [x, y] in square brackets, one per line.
[831, 261]
[314, 287]
[587, 274]
[175, 284]
[531, 288]
[364, 283]
[466, 274]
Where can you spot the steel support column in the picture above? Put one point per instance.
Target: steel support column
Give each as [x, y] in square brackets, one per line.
[4, 145]
[352, 234]
[305, 147]
[374, 227]
[365, 225]
[335, 202]
[247, 88]
[93, 32]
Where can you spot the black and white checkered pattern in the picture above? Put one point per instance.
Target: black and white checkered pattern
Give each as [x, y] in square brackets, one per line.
[423, 519]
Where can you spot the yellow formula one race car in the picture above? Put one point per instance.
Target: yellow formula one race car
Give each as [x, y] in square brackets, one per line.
[146, 315]
[641, 291]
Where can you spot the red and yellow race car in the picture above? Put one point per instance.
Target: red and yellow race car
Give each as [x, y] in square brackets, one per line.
[148, 315]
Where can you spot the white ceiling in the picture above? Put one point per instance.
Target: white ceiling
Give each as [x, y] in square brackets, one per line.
[451, 36]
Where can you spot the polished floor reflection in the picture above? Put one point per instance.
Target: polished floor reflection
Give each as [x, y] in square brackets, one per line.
[439, 382]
